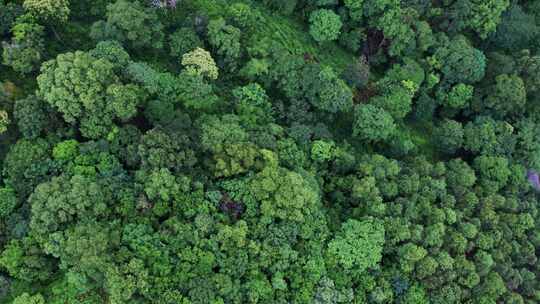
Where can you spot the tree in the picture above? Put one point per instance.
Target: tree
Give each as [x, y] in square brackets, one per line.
[31, 116]
[459, 96]
[225, 39]
[94, 98]
[356, 75]
[4, 121]
[26, 165]
[449, 136]
[410, 254]
[24, 260]
[26, 49]
[372, 123]
[358, 245]
[64, 201]
[201, 62]
[192, 90]
[325, 90]
[130, 23]
[516, 30]
[487, 136]
[112, 51]
[325, 25]
[228, 142]
[394, 24]
[48, 10]
[460, 176]
[182, 41]
[493, 172]
[480, 16]
[460, 62]
[253, 105]
[8, 201]
[160, 149]
[355, 9]
[8, 14]
[507, 96]
[26, 298]
[283, 194]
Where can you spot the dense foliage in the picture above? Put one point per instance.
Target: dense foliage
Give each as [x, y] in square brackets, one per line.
[269, 151]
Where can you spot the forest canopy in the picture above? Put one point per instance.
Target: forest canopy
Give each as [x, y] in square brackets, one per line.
[269, 151]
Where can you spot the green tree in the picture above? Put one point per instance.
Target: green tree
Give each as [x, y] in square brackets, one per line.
[358, 245]
[94, 98]
[479, 16]
[372, 123]
[112, 51]
[26, 165]
[460, 62]
[182, 41]
[283, 194]
[8, 14]
[48, 10]
[449, 136]
[31, 116]
[201, 62]
[225, 39]
[25, 52]
[355, 9]
[493, 172]
[253, 105]
[507, 96]
[325, 90]
[161, 149]
[516, 31]
[325, 25]
[8, 201]
[131, 23]
[26, 298]
[459, 96]
[192, 90]
[64, 201]
[24, 260]
[487, 136]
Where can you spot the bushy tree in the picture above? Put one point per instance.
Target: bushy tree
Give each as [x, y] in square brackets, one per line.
[26, 165]
[372, 123]
[325, 25]
[25, 52]
[94, 98]
[459, 96]
[112, 51]
[201, 62]
[225, 39]
[8, 13]
[182, 41]
[130, 23]
[487, 136]
[507, 96]
[494, 172]
[460, 62]
[49, 10]
[479, 16]
[356, 75]
[449, 136]
[516, 30]
[358, 245]
[8, 201]
[31, 116]
[26, 298]
[326, 91]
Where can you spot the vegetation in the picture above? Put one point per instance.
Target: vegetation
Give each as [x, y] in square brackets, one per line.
[273, 151]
